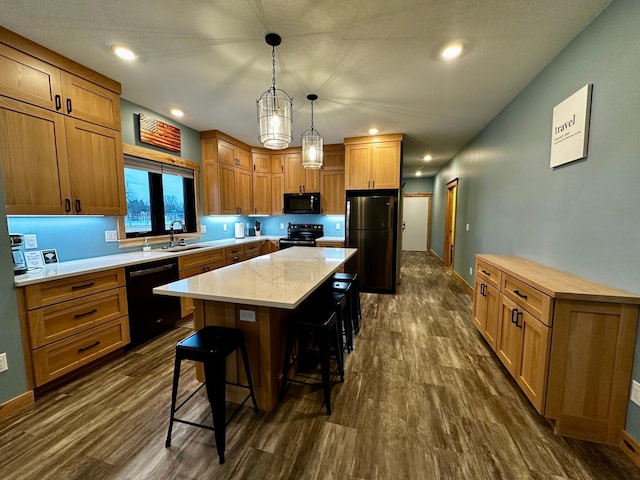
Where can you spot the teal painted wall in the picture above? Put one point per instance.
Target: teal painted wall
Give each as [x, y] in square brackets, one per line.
[418, 185]
[582, 217]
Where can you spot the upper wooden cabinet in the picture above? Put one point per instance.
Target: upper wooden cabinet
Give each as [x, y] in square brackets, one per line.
[332, 192]
[373, 163]
[40, 82]
[227, 174]
[298, 179]
[61, 148]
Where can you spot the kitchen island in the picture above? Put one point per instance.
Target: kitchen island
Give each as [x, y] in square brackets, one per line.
[259, 296]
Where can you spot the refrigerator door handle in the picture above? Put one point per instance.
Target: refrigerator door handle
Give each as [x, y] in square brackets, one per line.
[347, 223]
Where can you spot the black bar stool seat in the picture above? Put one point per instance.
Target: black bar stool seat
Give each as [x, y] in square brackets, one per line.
[352, 278]
[318, 319]
[211, 345]
[346, 288]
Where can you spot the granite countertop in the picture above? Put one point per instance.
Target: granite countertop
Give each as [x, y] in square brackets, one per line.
[281, 279]
[96, 264]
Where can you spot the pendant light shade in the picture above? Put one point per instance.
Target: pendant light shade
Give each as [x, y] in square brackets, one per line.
[312, 143]
[275, 106]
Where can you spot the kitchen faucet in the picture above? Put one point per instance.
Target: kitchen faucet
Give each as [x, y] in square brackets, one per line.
[173, 243]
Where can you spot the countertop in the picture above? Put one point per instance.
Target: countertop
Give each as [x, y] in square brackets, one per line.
[282, 279]
[96, 264]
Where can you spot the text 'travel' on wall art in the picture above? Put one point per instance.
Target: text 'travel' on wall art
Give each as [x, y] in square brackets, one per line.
[158, 133]
[570, 128]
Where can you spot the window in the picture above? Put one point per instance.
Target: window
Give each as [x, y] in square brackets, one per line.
[157, 195]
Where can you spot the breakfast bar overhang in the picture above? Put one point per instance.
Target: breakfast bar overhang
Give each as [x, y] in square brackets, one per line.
[259, 296]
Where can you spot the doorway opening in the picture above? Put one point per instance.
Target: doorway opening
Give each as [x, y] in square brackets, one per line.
[416, 222]
[450, 223]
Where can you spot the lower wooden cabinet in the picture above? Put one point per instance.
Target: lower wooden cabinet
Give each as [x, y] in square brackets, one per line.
[71, 322]
[568, 342]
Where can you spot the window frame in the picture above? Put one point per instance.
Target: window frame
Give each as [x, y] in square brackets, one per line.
[146, 154]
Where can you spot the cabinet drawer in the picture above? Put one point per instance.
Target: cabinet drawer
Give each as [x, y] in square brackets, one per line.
[55, 322]
[197, 259]
[534, 301]
[234, 251]
[239, 258]
[56, 359]
[330, 244]
[202, 269]
[252, 248]
[56, 291]
[488, 273]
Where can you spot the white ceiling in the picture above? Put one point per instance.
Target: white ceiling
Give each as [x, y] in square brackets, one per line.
[371, 63]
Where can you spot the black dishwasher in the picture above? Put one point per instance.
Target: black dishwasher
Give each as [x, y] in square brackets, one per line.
[149, 314]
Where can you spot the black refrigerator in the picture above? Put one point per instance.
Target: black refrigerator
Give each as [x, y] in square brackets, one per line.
[371, 227]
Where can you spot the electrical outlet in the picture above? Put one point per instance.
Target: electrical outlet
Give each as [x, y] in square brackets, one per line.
[110, 235]
[470, 270]
[467, 227]
[224, 227]
[247, 315]
[203, 229]
[4, 366]
[30, 241]
[635, 392]
[337, 226]
[282, 226]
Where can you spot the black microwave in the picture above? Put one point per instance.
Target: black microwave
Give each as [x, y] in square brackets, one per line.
[302, 203]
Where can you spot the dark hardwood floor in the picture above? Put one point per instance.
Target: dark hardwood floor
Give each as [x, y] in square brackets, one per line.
[423, 398]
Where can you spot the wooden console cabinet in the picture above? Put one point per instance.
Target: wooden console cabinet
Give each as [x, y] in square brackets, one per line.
[568, 342]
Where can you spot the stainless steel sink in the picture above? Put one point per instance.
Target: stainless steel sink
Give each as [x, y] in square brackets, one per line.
[182, 248]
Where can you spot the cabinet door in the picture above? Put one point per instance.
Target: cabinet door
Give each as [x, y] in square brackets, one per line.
[333, 159]
[311, 180]
[227, 189]
[244, 191]
[90, 102]
[385, 165]
[33, 158]
[509, 343]
[29, 80]
[262, 193]
[332, 196]
[479, 305]
[294, 174]
[277, 193]
[261, 163]
[492, 314]
[96, 169]
[356, 167]
[226, 153]
[244, 159]
[210, 187]
[531, 373]
[277, 163]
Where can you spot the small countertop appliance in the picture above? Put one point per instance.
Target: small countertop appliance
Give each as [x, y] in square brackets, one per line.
[19, 263]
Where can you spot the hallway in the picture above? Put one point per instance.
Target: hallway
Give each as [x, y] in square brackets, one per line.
[423, 398]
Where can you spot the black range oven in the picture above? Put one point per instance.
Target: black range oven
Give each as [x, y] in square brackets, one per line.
[301, 235]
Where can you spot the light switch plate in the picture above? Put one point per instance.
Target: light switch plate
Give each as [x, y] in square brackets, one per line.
[337, 226]
[635, 392]
[224, 227]
[111, 236]
[282, 226]
[4, 366]
[467, 227]
[247, 315]
[203, 229]
[30, 241]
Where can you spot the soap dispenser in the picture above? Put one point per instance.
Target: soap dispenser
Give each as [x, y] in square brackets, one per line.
[146, 246]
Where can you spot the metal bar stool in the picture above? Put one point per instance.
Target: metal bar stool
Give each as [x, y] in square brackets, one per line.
[344, 324]
[346, 288]
[320, 321]
[211, 345]
[352, 278]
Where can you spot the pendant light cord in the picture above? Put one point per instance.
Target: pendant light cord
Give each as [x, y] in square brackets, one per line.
[273, 71]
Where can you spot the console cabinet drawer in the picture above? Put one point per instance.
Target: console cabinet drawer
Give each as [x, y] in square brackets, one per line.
[56, 291]
[58, 358]
[535, 302]
[489, 274]
[61, 320]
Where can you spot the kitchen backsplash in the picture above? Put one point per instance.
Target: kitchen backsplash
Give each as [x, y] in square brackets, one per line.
[75, 238]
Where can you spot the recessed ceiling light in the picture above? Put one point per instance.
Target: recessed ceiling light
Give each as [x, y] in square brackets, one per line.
[123, 52]
[418, 173]
[451, 51]
[373, 131]
[177, 113]
[426, 158]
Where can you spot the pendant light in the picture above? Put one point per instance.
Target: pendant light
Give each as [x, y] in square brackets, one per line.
[312, 143]
[275, 121]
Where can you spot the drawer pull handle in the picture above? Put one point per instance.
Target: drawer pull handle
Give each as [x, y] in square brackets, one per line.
[80, 315]
[84, 349]
[517, 292]
[486, 273]
[80, 287]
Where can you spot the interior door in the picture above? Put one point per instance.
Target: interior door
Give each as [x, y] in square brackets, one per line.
[450, 225]
[415, 223]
